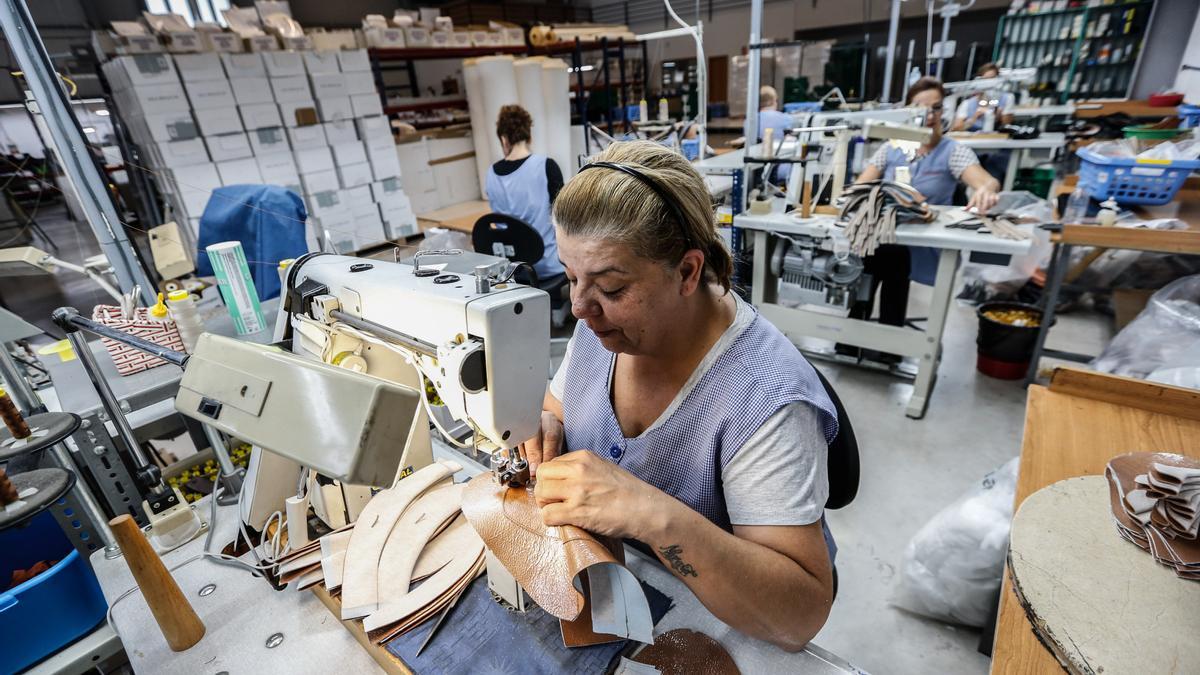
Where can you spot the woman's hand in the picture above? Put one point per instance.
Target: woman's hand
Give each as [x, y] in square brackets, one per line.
[583, 490]
[546, 445]
[983, 199]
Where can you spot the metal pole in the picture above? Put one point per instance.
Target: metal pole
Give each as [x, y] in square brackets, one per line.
[607, 85]
[942, 50]
[146, 472]
[752, 77]
[91, 508]
[230, 476]
[72, 149]
[23, 395]
[893, 30]
[702, 95]
[912, 44]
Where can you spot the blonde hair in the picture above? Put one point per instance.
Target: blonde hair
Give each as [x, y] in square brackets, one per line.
[608, 204]
[767, 96]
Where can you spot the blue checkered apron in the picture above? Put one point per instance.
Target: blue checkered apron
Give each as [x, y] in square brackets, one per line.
[684, 455]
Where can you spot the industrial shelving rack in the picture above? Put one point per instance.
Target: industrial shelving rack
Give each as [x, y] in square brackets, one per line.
[1080, 52]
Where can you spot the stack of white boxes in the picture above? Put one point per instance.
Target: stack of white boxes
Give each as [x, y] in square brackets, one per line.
[308, 121]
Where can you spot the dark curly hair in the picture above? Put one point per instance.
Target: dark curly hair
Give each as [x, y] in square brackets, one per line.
[924, 84]
[513, 124]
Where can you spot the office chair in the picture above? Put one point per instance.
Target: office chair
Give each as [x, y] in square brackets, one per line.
[508, 237]
[843, 455]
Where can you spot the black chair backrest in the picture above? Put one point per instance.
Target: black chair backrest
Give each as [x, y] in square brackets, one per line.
[843, 455]
[507, 237]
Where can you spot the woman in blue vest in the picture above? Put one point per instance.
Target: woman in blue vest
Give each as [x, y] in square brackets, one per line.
[936, 170]
[524, 185]
[680, 418]
[970, 114]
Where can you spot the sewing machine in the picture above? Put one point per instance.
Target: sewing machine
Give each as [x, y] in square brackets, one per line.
[348, 410]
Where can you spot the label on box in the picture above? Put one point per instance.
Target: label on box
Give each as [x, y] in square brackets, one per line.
[174, 126]
[262, 43]
[269, 140]
[223, 42]
[184, 41]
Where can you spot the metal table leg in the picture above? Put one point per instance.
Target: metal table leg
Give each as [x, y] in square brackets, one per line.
[1059, 262]
[939, 309]
[1010, 172]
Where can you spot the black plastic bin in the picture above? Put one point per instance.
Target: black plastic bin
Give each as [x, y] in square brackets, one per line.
[1004, 350]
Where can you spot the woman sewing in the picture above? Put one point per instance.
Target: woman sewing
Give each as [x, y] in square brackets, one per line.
[680, 418]
[523, 184]
[935, 170]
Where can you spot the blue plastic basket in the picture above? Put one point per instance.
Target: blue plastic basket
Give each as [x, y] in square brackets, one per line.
[1190, 114]
[804, 106]
[1132, 181]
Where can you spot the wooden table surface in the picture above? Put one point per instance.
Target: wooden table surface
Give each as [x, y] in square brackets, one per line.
[1072, 428]
[459, 217]
[1134, 108]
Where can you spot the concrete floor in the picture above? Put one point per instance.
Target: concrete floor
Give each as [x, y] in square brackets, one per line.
[910, 468]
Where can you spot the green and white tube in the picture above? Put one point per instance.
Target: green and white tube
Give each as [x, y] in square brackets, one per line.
[237, 287]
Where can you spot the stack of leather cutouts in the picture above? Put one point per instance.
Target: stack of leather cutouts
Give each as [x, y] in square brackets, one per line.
[1156, 504]
[872, 211]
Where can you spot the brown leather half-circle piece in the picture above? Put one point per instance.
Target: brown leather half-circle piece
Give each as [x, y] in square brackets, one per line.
[544, 560]
[687, 652]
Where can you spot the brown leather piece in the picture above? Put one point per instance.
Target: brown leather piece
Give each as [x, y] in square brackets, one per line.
[544, 560]
[579, 633]
[1139, 509]
[687, 652]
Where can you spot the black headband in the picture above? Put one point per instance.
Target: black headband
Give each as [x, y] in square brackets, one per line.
[672, 205]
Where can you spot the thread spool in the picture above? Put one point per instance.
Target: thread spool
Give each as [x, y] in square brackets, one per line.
[174, 614]
[12, 417]
[540, 36]
[8, 492]
[187, 318]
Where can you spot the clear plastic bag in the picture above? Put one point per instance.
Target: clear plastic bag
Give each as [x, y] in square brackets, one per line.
[953, 565]
[986, 283]
[1167, 328]
[440, 238]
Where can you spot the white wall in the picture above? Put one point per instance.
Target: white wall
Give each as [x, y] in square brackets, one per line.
[1187, 82]
[1161, 50]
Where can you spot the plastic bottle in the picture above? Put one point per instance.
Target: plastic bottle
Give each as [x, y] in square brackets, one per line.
[663, 113]
[1077, 206]
[643, 111]
[1108, 213]
[158, 311]
[187, 318]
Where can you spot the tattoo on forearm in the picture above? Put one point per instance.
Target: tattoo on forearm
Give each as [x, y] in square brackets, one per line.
[671, 555]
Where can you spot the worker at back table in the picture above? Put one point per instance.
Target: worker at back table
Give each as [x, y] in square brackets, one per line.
[935, 170]
[524, 184]
[974, 109]
[769, 117]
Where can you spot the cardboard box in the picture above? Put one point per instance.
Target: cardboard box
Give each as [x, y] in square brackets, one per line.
[354, 61]
[440, 39]
[181, 153]
[366, 105]
[296, 43]
[333, 40]
[216, 121]
[283, 64]
[375, 133]
[354, 175]
[460, 39]
[386, 165]
[479, 38]
[239, 172]
[323, 202]
[319, 181]
[299, 113]
[251, 90]
[318, 63]
[388, 188]
[399, 220]
[360, 201]
[416, 36]
[152, 100]
[170, 126]
[199, 67]
[194, 184]
[243, 65]
[260, 116]
[228, 147]
[335, 109]
[111, 44]
[359, 83]
[279, 169]
[385, 38]
[227, 43]
[262, 43]
[336, 229]
[419, 183]
[328, 85]
[313, 159]
[369, 231]
[270, 140]
[205, 94]
[514, 36]
[183, 42]
[348, 153]
[340, 131]
[141, 70]
[497, 39]
[313, 136]
[290, 89]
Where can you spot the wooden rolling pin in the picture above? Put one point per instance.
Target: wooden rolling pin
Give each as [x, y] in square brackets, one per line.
[175, 616]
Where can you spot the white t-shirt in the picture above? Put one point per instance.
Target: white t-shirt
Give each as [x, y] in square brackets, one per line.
[780, 475]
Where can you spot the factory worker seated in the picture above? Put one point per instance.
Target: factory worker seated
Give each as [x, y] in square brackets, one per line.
[974, 109]
[769, 117]
[935, 171]
[681, 419]
[524, 184]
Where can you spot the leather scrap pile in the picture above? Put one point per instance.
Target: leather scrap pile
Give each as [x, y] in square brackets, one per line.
[1156, 504]
[873, 210]
[408, 557]
[1000, 225]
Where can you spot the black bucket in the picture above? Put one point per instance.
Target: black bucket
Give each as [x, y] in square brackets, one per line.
[1004, 350]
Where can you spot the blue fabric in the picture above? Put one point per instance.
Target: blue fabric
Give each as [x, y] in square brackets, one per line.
[524, 194]
[931, 176]
[268, 220]
[759, 373]
[480, 636]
